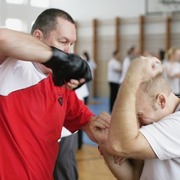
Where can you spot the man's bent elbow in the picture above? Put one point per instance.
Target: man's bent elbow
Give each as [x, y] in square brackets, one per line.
[119, 149]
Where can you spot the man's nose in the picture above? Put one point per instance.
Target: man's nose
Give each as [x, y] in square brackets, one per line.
[67, 49]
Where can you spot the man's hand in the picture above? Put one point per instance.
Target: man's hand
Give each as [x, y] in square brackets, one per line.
[144, 68]
[74, 84]
[100, 126]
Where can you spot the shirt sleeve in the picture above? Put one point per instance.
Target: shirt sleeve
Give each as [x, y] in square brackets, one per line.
[78, 114]
[163, 137]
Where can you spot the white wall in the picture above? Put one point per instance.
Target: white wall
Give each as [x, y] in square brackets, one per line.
[25, 12]
[84, 9]
[101, 9]
[105, 9]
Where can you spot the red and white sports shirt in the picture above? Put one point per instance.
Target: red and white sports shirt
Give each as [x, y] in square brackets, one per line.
[32, 113]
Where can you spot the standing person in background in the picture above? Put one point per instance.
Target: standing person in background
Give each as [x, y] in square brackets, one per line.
[93, 66]
[66, 162]
[172, 69]
[161, 55]
[113, 76]
[132, 53]
[83, 94]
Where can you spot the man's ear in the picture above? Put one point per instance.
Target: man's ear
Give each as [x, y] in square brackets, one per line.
[37, 33]
[161, 100]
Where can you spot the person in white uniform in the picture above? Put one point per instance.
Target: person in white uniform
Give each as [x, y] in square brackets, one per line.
[90, 84]
[113, 77]
[132, 53]
[145, 126]
[172, 69]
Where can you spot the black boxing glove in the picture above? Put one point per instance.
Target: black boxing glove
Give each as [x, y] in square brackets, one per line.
[68, 66]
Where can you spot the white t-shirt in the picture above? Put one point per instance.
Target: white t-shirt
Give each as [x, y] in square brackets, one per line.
[113, 71]
[164, 138]
[92, 65]
[173, 68]
[125, 66]
[82, 92]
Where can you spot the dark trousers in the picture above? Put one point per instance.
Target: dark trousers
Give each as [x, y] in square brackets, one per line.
[66, 164]
[114, 87]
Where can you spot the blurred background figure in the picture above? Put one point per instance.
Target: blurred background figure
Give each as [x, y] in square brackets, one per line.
[172, 69]
[83, 94]
[66, 164]
[85, 91]
[93, 66]
[132, 53]
[161, 55]
[113, 76]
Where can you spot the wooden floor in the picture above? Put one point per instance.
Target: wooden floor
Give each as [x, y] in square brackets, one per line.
[91, 165]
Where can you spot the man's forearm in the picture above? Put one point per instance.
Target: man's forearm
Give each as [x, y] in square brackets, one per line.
[23, 46]
[128, 169]
[124, 126]
[124, 137]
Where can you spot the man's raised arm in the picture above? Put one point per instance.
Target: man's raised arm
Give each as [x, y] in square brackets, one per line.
[23, 46]
[124, 137]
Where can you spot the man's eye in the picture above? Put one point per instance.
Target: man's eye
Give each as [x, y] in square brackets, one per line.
[63, 42]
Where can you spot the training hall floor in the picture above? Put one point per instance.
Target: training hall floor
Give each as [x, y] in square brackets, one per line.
[91, 165]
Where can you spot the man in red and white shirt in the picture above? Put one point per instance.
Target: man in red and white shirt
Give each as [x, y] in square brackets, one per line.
[32, 109]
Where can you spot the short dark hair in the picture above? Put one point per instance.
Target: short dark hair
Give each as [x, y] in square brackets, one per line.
[116, 52]
[86, 55]
[130, 50]
[46, 21]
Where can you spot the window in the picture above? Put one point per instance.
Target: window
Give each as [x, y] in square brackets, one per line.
[41, 3]
[15, 24]
[15, 1]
